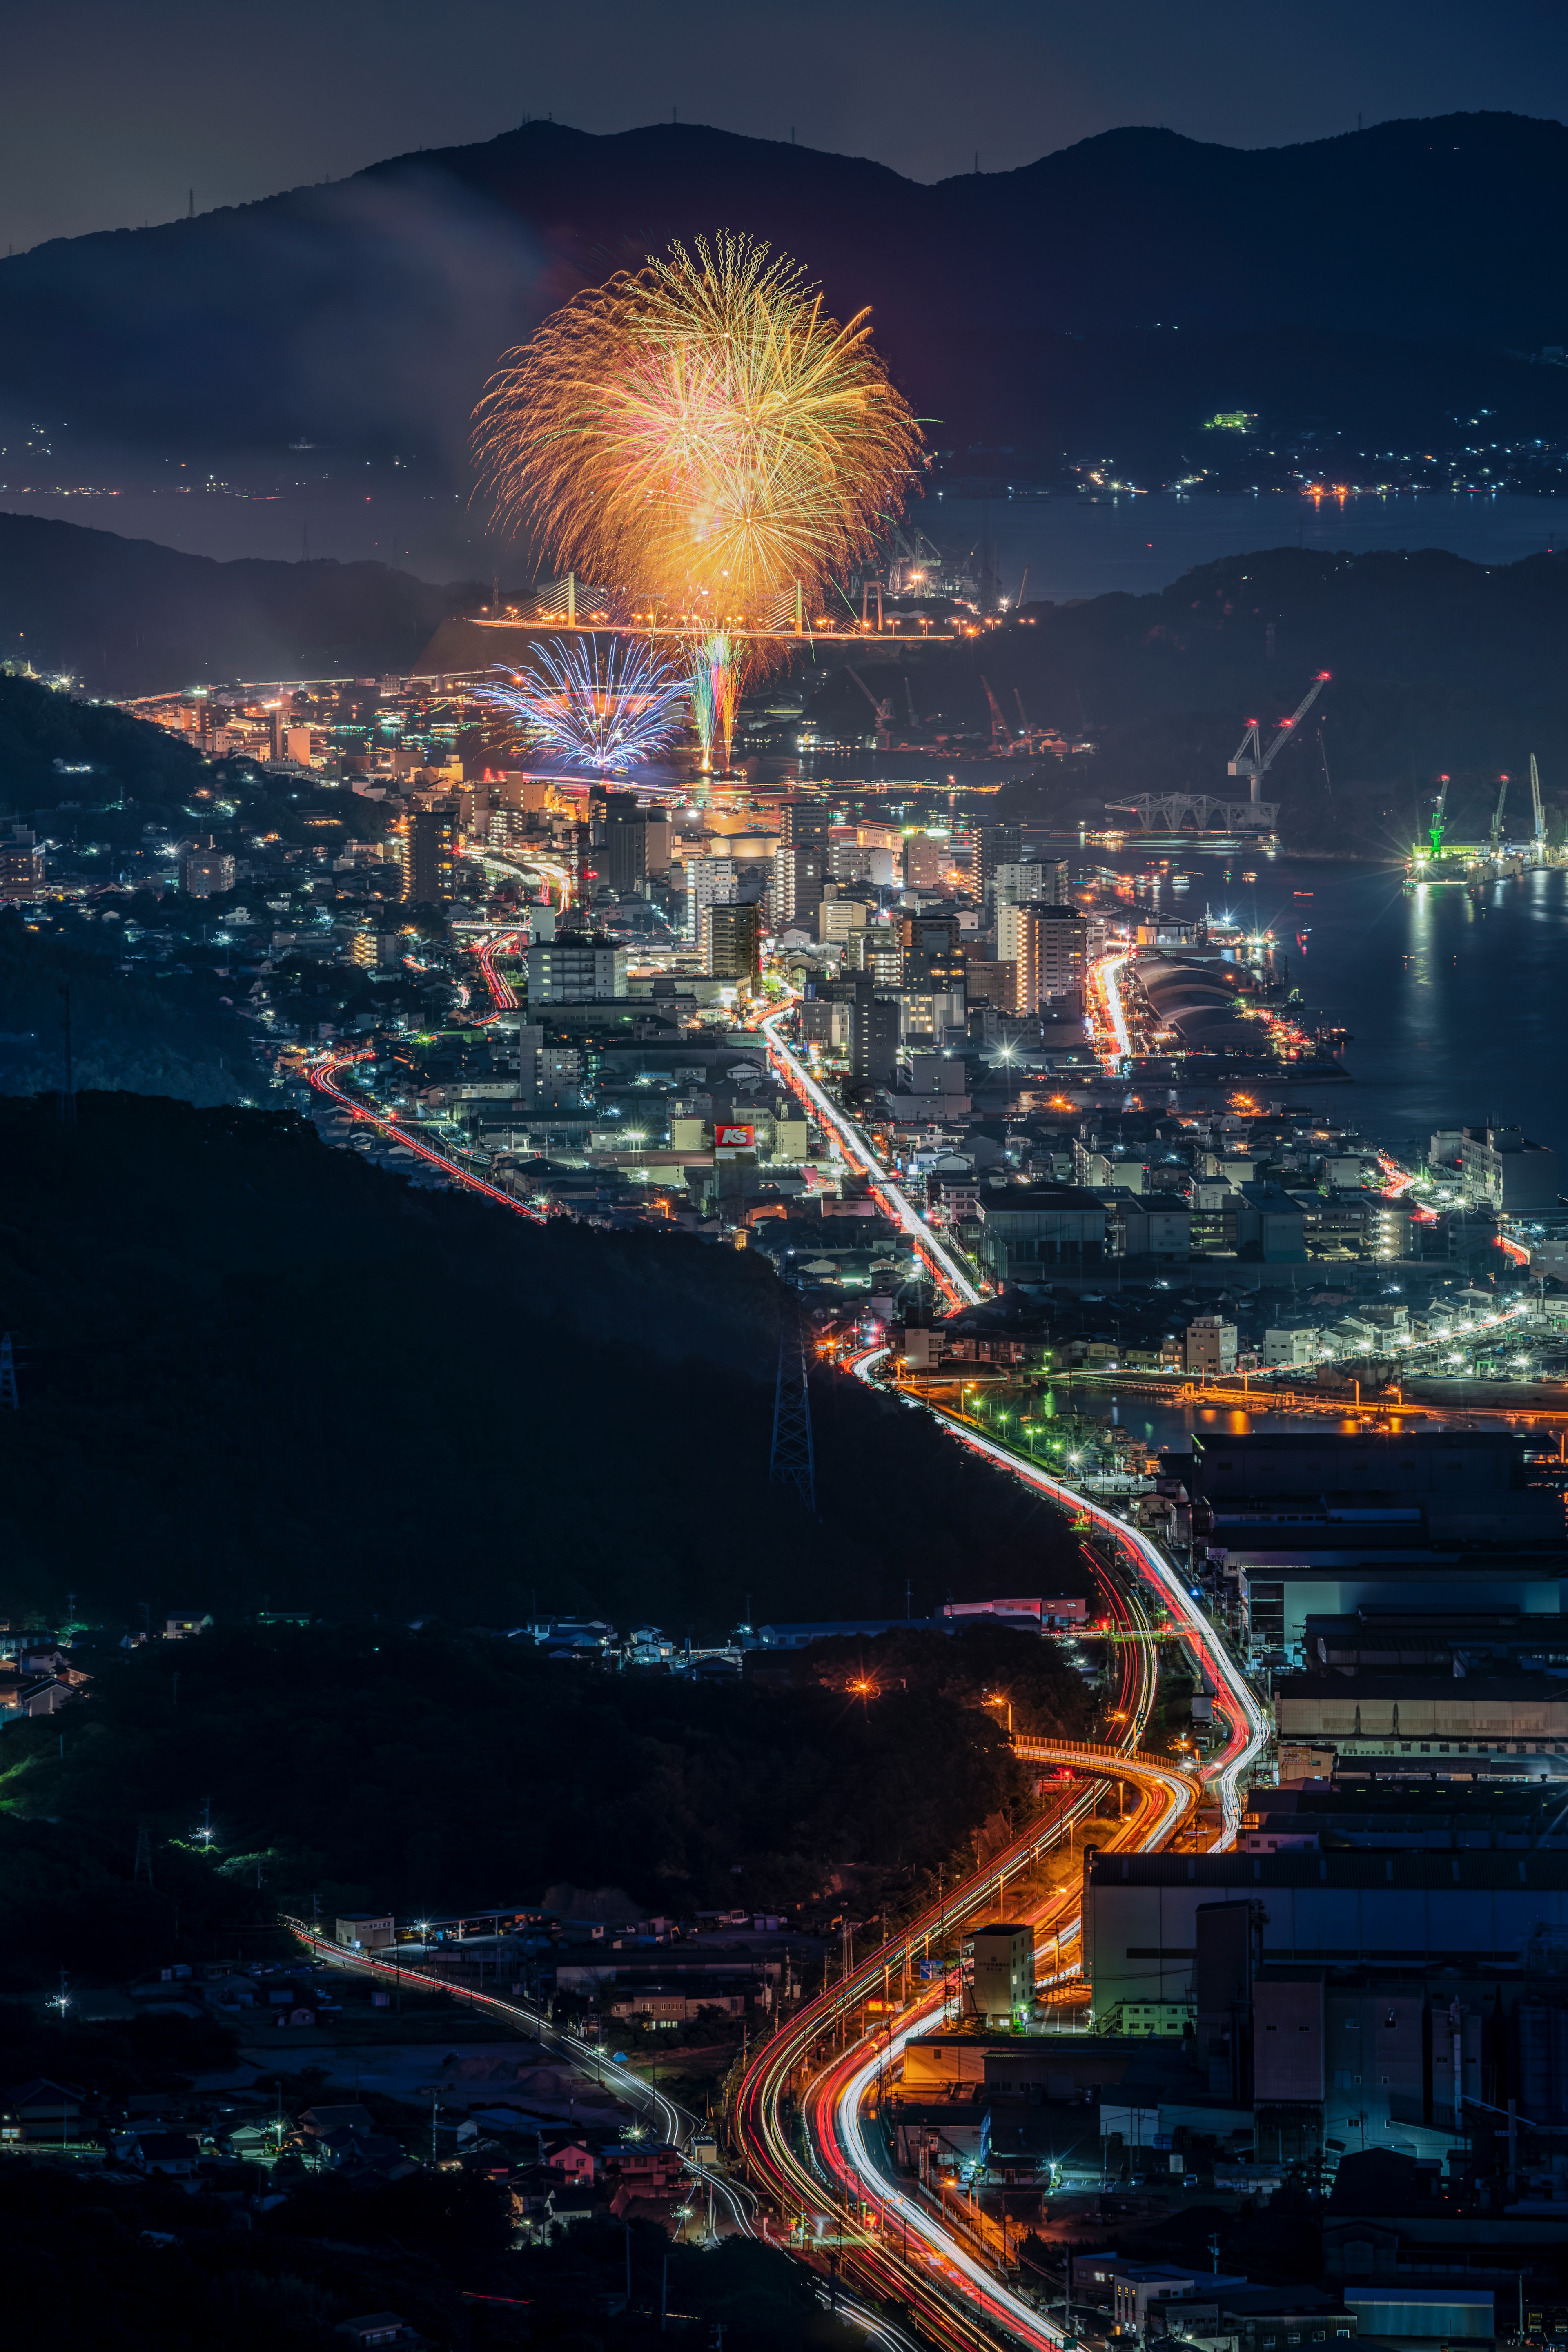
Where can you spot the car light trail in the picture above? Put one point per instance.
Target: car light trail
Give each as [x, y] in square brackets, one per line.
[1249, 1725]
[953, 2297]
[965, 2305]
[947, 1273]
[952, 2294]
[503, 996]
[675, 2122]
[322, 1074]
[1105, 996]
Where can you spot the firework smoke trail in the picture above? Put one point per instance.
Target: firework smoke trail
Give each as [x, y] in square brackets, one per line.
[715, 667]
[608, 713]
[702, 430]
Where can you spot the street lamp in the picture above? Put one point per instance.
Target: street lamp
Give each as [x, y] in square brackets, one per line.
[997, 1699]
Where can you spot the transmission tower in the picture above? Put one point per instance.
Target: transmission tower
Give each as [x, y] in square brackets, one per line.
[67, 1098]
[793, 1463]
[9, 1400]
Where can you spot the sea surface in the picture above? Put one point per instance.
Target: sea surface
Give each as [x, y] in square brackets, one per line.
[1073, 546]
[1454, 1004]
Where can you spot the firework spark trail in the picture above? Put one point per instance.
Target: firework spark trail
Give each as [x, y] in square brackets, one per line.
[700, 429]
[715, 671]
[607, 712]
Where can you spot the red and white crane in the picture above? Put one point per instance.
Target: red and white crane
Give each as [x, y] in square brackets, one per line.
[1251, 760]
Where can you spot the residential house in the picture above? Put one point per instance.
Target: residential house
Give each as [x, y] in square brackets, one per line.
[565, 2206]
[573, 2160]
[45, 2109]
[172, 2153]
[317, 2122]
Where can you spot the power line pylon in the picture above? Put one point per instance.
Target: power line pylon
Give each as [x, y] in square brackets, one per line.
[67, 1098]
[793, 1463]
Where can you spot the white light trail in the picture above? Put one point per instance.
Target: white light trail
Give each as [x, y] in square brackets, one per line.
[1250, 1724]
[943, 1263]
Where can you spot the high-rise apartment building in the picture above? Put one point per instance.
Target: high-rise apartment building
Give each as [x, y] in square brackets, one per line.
[805, 823]
[873, 1036]
[575, 970]
[206, 873]
[709, 882]
[1043, 882]
[622, 858]
[1052, 957]
[429, 849]
[729, 938]
[875, 949]
[927, 858]
[837, 920]
[999, 844]
[21, 859]
[800, 870]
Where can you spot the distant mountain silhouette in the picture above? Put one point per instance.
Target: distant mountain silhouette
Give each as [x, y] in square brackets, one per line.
[133, 617]
[1107, 297]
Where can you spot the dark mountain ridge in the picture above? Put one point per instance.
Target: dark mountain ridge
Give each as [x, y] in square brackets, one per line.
[134, 617]
[1407, 273]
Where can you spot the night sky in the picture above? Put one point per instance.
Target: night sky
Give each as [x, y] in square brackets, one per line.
[111, 113]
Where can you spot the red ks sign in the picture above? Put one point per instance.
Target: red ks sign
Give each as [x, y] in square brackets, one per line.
[734, 1138]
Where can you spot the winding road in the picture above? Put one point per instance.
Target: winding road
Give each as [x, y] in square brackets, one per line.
[799, 2121]
[817, 2177]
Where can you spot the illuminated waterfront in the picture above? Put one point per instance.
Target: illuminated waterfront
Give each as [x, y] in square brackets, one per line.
[1450, 999]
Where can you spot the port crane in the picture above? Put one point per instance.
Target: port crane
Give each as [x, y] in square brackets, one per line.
[1001, 734]
[1251, 760]
[884, 709]
[1497, 816]
[1539, 812]
[1439, 818]
[1205, 812]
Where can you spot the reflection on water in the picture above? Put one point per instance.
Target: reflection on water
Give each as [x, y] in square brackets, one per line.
[1452, 1002]
[1171, 1426]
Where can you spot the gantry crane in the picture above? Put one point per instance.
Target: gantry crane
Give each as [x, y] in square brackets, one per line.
[1251, 760]
[1539, 812]
[884, 709]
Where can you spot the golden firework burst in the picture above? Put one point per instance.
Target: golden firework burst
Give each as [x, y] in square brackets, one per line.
[700, 430]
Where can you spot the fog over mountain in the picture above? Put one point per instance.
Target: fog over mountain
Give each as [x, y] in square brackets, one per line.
[1397, 281]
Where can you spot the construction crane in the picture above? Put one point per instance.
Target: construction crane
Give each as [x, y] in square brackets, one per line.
[1497, 816]
[1251, 760]
[910, 699]
[1439, 818]
[884, 711]
[1001, 737]
[1539, 812]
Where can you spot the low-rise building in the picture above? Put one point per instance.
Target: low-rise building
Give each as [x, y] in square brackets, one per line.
[1032, 1233]
[1502, 1169]
[1210, 1345]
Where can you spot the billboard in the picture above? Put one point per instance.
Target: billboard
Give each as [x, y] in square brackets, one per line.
[729, 1137]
